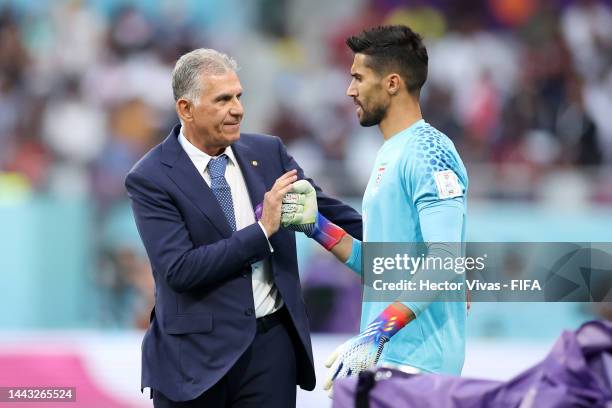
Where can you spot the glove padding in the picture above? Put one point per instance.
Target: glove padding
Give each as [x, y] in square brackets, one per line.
[356, 355]
[299, 208]
[299, 212]
[363, 351]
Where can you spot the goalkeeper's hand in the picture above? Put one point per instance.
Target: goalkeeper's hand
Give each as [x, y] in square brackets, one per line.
[300, 213]
[355, 355]
[363, 351]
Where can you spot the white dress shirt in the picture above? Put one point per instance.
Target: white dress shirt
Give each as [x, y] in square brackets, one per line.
[265, 294]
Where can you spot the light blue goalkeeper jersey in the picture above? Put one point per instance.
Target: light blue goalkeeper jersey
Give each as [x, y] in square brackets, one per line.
[417, 193]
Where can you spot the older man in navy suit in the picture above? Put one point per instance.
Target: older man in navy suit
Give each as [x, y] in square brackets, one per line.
[229, 327]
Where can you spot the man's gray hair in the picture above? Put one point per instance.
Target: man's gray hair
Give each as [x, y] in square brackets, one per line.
[190, 66]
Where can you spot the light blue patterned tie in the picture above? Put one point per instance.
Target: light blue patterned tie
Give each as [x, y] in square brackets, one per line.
[222, 190]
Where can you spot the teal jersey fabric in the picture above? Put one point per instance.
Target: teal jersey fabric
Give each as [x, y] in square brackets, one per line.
[417, 193]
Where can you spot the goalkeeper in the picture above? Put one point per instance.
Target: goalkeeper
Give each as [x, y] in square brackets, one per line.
[416, 193]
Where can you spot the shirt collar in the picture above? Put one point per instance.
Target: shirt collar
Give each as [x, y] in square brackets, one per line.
[200, 158]
[406, 131]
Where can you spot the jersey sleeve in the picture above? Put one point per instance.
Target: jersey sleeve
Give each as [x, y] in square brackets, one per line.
[433, 171]
[436, 181]
[354, 259]
[441, 224]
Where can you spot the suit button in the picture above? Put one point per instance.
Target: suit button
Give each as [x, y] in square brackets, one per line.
[245, 275]
[249, 311]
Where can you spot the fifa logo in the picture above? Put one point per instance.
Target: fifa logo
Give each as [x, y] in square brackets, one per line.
[449, 184]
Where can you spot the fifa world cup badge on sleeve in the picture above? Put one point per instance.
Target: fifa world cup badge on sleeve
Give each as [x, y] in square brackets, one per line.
[447, 184]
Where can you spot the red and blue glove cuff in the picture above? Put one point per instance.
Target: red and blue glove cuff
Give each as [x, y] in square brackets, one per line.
[392, 320]
[326, 232]
[323, 231]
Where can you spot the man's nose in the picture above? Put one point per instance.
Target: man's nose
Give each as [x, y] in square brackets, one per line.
[351, 91]
[237, 109]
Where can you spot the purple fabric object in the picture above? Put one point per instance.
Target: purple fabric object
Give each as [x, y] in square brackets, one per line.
[576, 373]
[258, 211]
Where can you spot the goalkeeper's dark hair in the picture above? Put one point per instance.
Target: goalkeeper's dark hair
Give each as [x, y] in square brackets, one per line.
[394, 48]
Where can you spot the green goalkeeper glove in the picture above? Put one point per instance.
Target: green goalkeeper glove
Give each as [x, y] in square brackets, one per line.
[300, 213]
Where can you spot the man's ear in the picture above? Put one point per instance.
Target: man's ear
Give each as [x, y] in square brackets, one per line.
[184, 109]
[393, 83]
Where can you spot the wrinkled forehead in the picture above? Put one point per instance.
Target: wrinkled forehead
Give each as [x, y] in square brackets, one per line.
[227, 82]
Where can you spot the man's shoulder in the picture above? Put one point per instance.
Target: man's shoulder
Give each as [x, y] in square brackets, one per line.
[166, 151]
[149, 162]
[259, 141]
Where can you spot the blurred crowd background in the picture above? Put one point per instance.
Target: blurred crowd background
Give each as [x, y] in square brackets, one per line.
[522, 87]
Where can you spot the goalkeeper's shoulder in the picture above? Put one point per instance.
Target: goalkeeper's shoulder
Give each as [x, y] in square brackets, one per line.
[430, 151]
[427, 141]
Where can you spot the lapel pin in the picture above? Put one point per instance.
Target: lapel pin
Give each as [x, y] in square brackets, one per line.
[254, 163]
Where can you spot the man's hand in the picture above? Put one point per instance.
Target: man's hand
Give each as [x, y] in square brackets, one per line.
[271, 206]
[300, 213]
[363, 351]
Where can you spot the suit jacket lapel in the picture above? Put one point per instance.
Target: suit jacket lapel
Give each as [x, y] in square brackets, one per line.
[251, 171]
[186, 177]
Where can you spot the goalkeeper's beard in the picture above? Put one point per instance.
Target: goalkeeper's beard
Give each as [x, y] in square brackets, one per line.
[372, 117]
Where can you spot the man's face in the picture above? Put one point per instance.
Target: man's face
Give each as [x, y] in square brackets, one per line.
[367, 91]
[218, 111]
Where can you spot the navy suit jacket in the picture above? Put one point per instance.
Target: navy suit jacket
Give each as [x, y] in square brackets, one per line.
[204, 317]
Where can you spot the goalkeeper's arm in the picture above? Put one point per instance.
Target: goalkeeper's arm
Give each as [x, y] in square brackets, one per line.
[441, 224]
[300, 213]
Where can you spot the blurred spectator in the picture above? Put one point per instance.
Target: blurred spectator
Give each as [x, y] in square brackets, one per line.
[424, 19]
[577, 130]
[132, 133]
[80, 30]
[124, 273]
[13, 91]
[74, 129]
[272, 17]
[587, 27]
[512, 13]
[13, 55]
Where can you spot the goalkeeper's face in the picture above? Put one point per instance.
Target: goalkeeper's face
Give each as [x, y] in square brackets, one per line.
[366, 89]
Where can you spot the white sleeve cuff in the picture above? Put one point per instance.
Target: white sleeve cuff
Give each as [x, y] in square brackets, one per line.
[266, 234]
